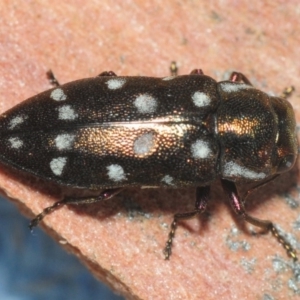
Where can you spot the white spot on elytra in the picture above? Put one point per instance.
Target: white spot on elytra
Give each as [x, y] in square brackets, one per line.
[200, 99]
[288, 164]
[143, 144]
[58, 95]
[231, 87]
[200, 149]
[115, 172]
[16, 121]
[115, 83]
[145, 104]
[64, 141]
[168, 180]
[232, 169]
[169, 78]
[57, 165]
[15, 142]
[66, 112]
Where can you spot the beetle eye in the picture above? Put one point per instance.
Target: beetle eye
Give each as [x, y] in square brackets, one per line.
[286, 163]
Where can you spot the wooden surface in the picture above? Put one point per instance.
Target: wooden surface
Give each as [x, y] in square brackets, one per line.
[121, 242]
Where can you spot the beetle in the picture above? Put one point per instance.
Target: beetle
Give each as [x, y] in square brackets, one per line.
[107, 133]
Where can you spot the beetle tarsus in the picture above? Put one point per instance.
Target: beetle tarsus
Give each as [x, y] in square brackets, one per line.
[202, 196]
[168, 249]
[287, 92]
[173, 68]
[104, 195]
[287, 246]
[52, 79]
[34, 222]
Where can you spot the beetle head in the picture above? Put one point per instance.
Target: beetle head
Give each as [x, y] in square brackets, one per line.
[286, 147]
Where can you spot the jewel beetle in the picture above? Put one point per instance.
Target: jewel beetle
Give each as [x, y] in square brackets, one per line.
[110, 132]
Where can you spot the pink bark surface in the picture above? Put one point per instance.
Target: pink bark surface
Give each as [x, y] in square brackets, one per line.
[121, 241]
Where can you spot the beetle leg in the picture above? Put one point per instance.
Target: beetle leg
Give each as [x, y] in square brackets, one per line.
[287, 92]
[173, 68]
[197, 72]
[238, 207]
[104, 195]
[202, 196]
[239, 77]
[108, 73]
[53, 81]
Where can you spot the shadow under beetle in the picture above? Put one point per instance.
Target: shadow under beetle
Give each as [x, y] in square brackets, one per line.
[109, 132]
